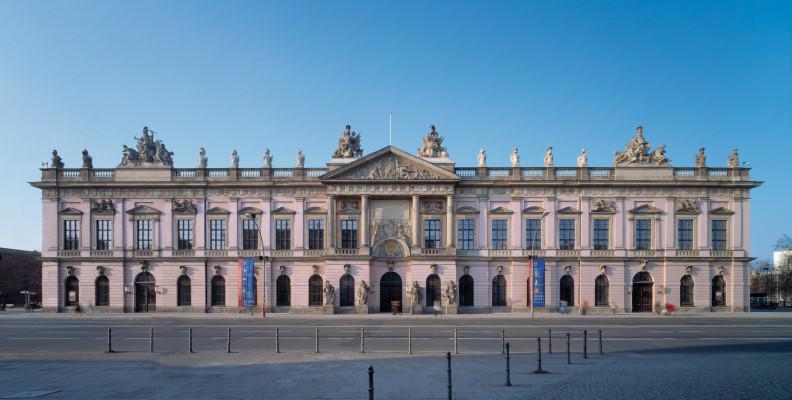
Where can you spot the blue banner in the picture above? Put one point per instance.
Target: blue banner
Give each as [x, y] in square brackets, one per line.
[538, 282]
[248, 289]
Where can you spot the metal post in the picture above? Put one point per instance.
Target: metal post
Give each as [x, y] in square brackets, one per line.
[409, 340]
[585, 344]
[362, 345]
[316, 340]
[550, 340]
[371, 382]
[151, 340]
[109, 340]
[503, 341]
[448, 357]
[600, 342]
[190, 339]
[277, 341]
[569, 359]
[539, 369]
[228, 341]
[456, 346]
[508, 370]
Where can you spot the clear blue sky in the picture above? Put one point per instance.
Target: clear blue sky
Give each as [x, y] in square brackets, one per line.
[290, 75]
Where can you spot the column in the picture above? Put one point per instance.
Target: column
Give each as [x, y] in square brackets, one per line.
[330, 221]
[414, 217]
[364, 223]
[450, 221]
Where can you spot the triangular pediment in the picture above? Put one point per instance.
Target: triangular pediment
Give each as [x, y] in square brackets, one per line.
[389, 164]
[315, 210]
[70, 211]
[721, 211]
[500, 210]
[533, 210]
[646, 209]
[467, 210]
[250, 210]
[217, 211]
[568, 210]
[143, 209]
[283, 210]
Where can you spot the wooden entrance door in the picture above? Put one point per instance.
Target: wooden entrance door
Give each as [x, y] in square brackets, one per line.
[145, 293]
[390, 290]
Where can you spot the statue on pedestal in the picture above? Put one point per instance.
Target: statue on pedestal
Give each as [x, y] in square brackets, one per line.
[415, 293]
[329, 293]
[582, 160]
[450, 293]
[515, 158]
[638, 152]
[234, 159]
[734, 159]
[363, 291]
[300, 159]
[432, 145]
[482, 158]
[548, 160]
[267, 159]
[87, 159]
[203, 161]
[701, 159]
[149, 151]
[57, 162]
[348, 144]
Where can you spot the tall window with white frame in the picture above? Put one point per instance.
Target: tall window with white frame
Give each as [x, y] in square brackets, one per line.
[685, 234]
[601, 235]
[184, 234]
[566, 234]
[499, 234]
[249, 234]
[465, 234]
[217, 234]
[643, 234]
[315, 234]
[282, 234]
[432, 233]
[71, 234]
[719, 234]
[104, 234]
[533, 234]
[349, 234]
[143, 234]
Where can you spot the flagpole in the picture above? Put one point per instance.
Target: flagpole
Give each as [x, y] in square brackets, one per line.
[390, 129]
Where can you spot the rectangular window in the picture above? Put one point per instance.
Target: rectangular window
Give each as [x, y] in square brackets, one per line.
[685, 234]
[143, 234]
[465, 232]
[349, 234]
[533, 234]
[499, 234]
[104, 234]
[718, 234]
[217, 234]
[566, 234]
[250, 237]
[432, 233]
[643, 234]
[315, 234]
[282, 234]
[71, 234]
[184, 234]
[601, 236]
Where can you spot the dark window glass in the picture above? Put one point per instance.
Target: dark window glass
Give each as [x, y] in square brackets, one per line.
[566, 234]
[250, 237]
[432, 290]
[685, 234]
[465, 234]
[71, 234]
[104, 234]
[718, 234]
[686, 291]
[183, 291]
[466, 290]
[601, 291]
[718, 291]
[499, 234]
[143, 234]
[282, 234]
[283, 291]
[315, 290]
[102, 287]
[349, 233]
[347, 291]
[498, 291]
[72, 291]
[643, 234]
[533, 234]
[315, 234]
[601, 236]
[218, 291]
[217, 234]
[184, 232]
[567, 291]
[432, 233]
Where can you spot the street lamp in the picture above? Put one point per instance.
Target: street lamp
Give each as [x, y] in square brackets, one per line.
[252, 216]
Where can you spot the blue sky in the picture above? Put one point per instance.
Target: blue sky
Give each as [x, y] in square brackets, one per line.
[290, 75]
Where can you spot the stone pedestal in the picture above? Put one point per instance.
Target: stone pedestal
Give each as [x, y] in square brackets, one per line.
[417, 309]
[362, 308]
[452, 309]
[328, 310]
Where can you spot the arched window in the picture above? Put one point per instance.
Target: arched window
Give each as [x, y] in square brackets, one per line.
[315, 290]
[346, 297]
[432, 290]
[601, 291]
[567, 292]
[218, 291]
[72, 291]
[466, 290]
[283, 291]
[102, 288]
[183, 291]
[718, 291]
[686, 291]
[498, 291]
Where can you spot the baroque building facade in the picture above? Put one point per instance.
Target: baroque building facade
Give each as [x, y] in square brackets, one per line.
[391, 231]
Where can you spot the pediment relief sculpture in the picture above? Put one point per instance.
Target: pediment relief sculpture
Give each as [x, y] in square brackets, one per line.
[638, 152]
[686, 206]
[148, 152]
[432, 145]
[185, 206]
[603, 206]
[646, 209]
[467, 210]
[349, 206]
[103, 206]
[432, 207]
[391, 167]
[721, 211]
[348, 144]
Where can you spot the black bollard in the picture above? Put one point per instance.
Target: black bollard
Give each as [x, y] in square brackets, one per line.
[228, 341]
[189, 339]
[448, 357]
[600, 342]
[585, 344]
[109, 340]
[550, 340]
[508, 370]
[569, 359]
[539, 369]
[371, 382]
[151, 340]
[277, 341]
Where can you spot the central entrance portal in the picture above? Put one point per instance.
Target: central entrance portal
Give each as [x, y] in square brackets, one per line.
[390, 291]
[642, 292]
[145, 293]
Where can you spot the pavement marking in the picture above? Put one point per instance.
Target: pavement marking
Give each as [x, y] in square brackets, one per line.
[661, 331]
[367, 331]
[691, 331]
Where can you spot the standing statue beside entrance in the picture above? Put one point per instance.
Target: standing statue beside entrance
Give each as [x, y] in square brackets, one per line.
[329, 293]
[363, 290]
[415, 294]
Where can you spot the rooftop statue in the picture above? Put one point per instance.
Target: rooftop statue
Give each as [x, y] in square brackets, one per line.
[515, 158]
[149, 151]
[267, 159]
[701, 159]
[548, 160]
[734, 159]
[87, 159]
[582, 160]
[638, 152]
[348, 144]
[57, 162]
[300, 159]
[432, 145]
[234, 159]
[482, 158]
[203, 161]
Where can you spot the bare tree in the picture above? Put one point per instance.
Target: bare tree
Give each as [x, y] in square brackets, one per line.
[784, 243]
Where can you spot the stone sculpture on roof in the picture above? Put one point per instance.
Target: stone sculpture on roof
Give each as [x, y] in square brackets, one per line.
[203, 161]
[267, 159]
[582, 159]
[515, 158]
[701, 159]
[734, 159]
[87, 159]
[234, 159]
[300, 159]
[57, 162]
[348, 144]
[432, 145]
[482, 158]
[638, 152]
[548, 160]
[149, 152]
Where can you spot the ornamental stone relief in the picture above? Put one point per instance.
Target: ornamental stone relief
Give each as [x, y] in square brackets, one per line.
[389, 167]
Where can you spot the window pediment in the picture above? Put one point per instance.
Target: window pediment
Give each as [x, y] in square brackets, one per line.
[250, 210]
[467, 210]
[534, 210]
[284, 211]
[721, 211]
[500, 210]
[315, 210]
[70, 211]
[646, 209]
[217, 211]
[568, 210]
[144, 210]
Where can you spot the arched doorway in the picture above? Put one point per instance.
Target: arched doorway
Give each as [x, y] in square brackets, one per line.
[390, 290]
[433, 293]
[566, 292]
[642, 292]
[72, 291]
[145, 292]
[466, 291]
[718, 291]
